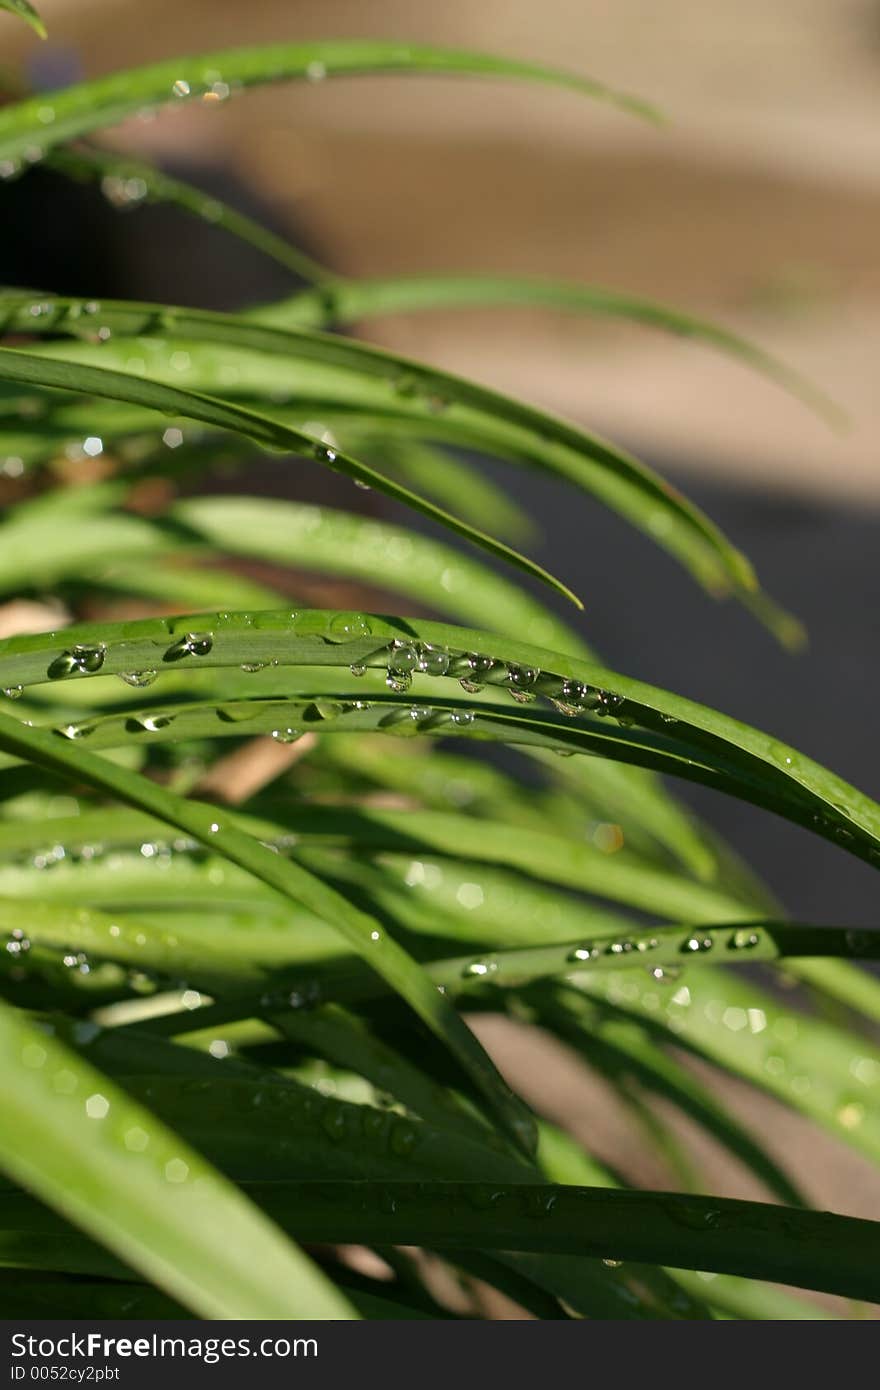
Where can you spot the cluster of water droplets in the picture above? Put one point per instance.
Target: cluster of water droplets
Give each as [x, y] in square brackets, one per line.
[210, 87]
[475, 670]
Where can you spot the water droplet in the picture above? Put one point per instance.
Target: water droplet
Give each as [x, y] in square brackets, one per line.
[138, 679]
[97, 1107]
[404, 656]
[326, 709]
[537, 1203]
[289, 735]
[180, 88]
[85, 659]
[191, 644]
[744, 940]
[358, 668]
[579, 695]
[477, 663]
[350, 625]
[462, 717]
[76, 730]
[398, 681]
[522, 679]
[402, 1138]
[612, 1264]
[698, 942]
[332, 1121]
[586, 952]
[433, 661]
[13, 692]
[34, 1056]
[665, 974]
[607, 702]
[851, 1114]
[89, 658]
[735, 1019]
[150, 723]
[479, 969]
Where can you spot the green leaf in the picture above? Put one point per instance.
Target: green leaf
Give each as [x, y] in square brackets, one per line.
[375, 552]
[25, 11]
[74, 1138]
[214, 76]
[70, 376]
[616, 716]
[363, 933]
[129, 183]
[84, 1299]
[388, 386]
[619, 1048]
[448, 479]
[821, 1070]
[416, 567]
[348, 302]
[834, 1254]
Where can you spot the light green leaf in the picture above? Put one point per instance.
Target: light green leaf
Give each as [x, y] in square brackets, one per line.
[364, 933]
[388, 386]
[348, 302]
[25, 11]
[70, 1135]
[70, 376]
[215, 76]
[612, 714]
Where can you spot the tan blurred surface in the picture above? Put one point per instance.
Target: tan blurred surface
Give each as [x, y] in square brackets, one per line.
[761, 202]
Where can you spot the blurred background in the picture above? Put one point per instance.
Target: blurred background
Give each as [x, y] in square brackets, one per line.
[758, 205]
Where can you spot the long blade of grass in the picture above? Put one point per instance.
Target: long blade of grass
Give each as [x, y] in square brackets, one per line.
[70, 376]
[399, 385]
[820, 1250]
[349, 302]
[364, 934]
[336, 543]
[374, 552]
[129, 183]
[78, 1141]
[212, 77]
[25, 11]
[641, 723]
[814, 1067]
